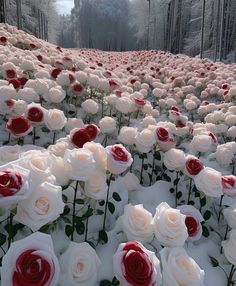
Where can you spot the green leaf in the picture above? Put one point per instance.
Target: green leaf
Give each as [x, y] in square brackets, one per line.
[102, 203]
[66, 210]
[116, 197]
[207, 215]
[145, 167]
[203, 201]
[172, 190]
[68, 230]
[205, 231]
[99, 212]
[88, 213]
[214, 261]
[45, 129]
[166, 177]
[65, 199]
[157, 155]
[80, 228]
[105, 283]
[115, 281]
[192, 203]
[103, 236]
[79, 201]
[111, 207]
[176, 181]
[3, 239]
[179, 195]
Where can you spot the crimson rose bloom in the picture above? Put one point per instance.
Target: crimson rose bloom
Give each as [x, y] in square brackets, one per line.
[140, 102]
[92, 130]
[11, 73]
[55, 72]
[18, 126]
[193, 165]
[79, 136]
[32, 269]
[162, 134]
[135, 265]
[10, 183]
[35, 114]
[192, 226]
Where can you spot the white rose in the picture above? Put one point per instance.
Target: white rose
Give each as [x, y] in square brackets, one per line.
[28, 94]
[209, 182]
[224, 155]
[174, 159]
[90, 106]
[55, 95]
[59, 148]
[96, 186]
[107, 124]
[39, 85]
[37, 163]
[59, 170]
[31, 258]
[230, 216]
[169, 226]
[131, 182]
[73, 123]
[55, 119]
[80, 265]
[145, 140]
[137, 223]
[20, 107]
[118, 159]
[44, 205]
[148, 120]
[9, 153]
[232, 132]
[201, 143]
[80, 164]
[229, 247]
[99, 154]
[127, 135]
[180, 269]
[123, 105]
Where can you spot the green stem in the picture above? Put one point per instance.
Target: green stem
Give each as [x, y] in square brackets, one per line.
[219, 214]
[153, 166]
[34, 134]
[54, 137]
[10, 238]
[176, 189]
[73, 211]
[231, 274]
[106, 204]
[141, 174]
[9, 138]
[86, 227]
[189, 191]
[225, 237]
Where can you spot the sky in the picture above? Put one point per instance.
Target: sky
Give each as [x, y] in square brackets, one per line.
[64, 6]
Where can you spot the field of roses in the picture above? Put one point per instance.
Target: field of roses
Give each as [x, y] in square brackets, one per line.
[115, 168]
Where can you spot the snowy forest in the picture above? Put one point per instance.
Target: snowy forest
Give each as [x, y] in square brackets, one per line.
[122, 25]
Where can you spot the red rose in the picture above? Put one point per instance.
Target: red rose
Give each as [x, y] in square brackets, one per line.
[174, 108]
[3, 40]
[134, 265]
[92, 130]
[228, 182]
[214, 138]
[15, 82]
[35, 114]
[10, 103]
[55, 72]
[10, 73]
[162, 134]
[79, 137]
[140, 102]
[33, 46]
[193, 166]
[71, 78]
[119, 154]
[39, 57]
[112, 83]
[78, 88]
[192, 225]
[18, 126]
[32, 269]
[23, 80]
[180, 124]
[10, 183]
